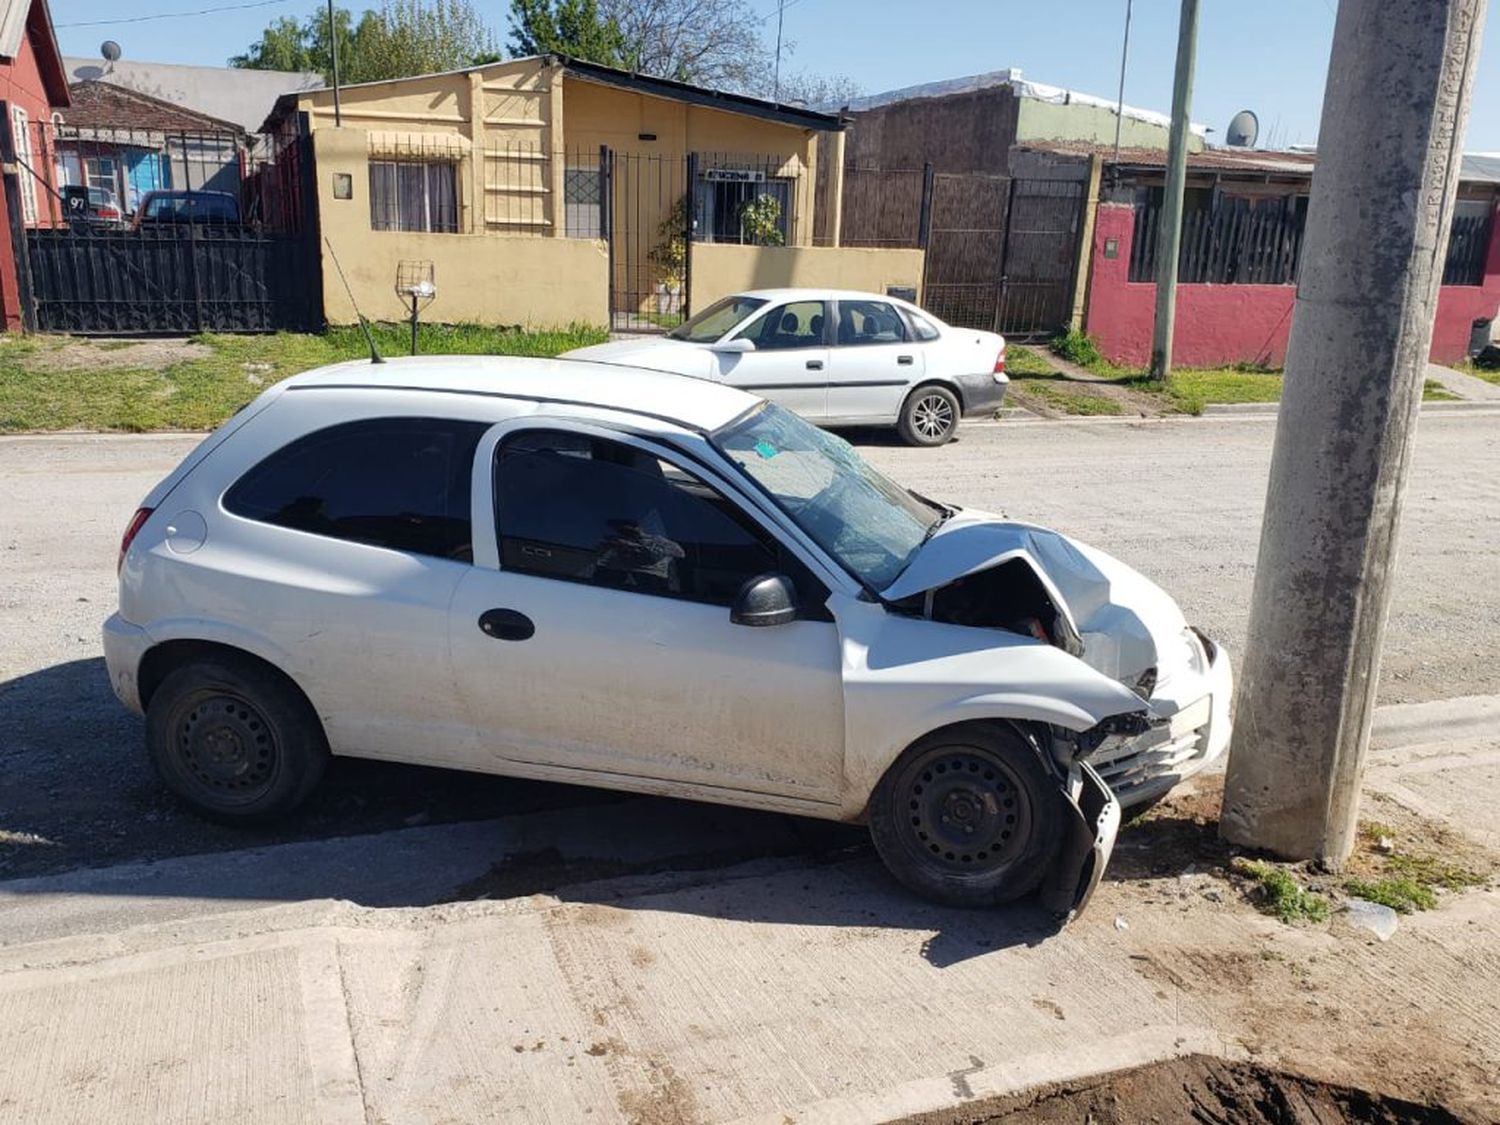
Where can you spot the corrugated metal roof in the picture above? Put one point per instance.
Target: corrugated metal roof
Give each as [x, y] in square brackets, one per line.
[1021, 87]
[1475, 168]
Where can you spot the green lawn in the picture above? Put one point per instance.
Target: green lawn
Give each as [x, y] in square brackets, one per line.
[59, 383]
[1488, 374]
[1186, 391]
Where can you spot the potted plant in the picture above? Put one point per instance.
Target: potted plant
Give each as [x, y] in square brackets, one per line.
[669, 255]
[760, 221]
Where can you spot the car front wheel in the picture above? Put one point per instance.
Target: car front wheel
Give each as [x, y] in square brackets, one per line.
[234, 739]
[929, 416]
[968, 816]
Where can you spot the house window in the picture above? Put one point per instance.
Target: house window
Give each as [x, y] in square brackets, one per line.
[721, 195]
[581, 209]
[21, 127]
[413, 196]
[99, 172]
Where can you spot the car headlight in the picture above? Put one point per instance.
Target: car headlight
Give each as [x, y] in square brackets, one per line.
[1197, 658]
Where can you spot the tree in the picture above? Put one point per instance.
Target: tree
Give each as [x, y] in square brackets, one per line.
[402, 38]
[826, 92]
[708, 42]
[566, 27]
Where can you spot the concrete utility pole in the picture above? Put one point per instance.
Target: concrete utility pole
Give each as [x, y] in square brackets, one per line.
[1169, 238]
[1394, 110]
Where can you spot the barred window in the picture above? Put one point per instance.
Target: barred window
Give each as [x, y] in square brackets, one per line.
[414, 196]
[581, 208]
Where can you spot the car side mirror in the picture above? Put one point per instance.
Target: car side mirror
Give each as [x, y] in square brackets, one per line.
[766, 599]
[738, 345]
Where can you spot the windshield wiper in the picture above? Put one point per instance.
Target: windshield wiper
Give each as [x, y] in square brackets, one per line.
[944, 515]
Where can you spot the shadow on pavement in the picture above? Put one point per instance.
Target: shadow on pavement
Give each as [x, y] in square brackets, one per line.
[76, 789]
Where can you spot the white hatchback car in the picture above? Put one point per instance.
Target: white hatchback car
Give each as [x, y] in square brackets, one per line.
[554, 569]
[835, 357]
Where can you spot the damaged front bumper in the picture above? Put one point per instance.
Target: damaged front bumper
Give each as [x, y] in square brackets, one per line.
[1091, 823]
[1182, 739]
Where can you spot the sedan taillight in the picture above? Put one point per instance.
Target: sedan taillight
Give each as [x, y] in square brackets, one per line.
[136, 521]
[1000, 361]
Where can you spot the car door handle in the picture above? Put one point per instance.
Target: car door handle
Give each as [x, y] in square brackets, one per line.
[815, 365]
[506, 625]
[904, 360]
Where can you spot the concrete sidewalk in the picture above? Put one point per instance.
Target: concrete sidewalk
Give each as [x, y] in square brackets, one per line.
[661, 981]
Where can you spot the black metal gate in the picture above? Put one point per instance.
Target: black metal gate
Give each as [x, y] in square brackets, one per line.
[1043, 224]
[149, 231]
[172, 279]
[1002, 252]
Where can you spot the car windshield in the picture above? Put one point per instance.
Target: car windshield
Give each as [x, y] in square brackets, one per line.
[716, 320]
[871, 525]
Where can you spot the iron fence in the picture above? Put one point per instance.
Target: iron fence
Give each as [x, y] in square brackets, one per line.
[1468, 245]
[1237, 241]
[159, 231]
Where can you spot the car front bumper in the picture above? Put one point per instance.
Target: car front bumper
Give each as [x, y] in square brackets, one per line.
[1143, 768]
[1092, 821]
[981, 394]
[124, 645]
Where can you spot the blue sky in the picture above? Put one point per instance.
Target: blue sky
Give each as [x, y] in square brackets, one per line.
[1270, 56]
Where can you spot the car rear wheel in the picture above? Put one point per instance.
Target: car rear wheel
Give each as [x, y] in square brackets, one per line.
[929, 416]
[235, 740]
[968, 816]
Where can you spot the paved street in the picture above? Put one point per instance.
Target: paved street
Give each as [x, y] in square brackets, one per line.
[418, 945]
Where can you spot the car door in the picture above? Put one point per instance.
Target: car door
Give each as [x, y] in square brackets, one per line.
[592, 639]
[789, 365]
[873, 363]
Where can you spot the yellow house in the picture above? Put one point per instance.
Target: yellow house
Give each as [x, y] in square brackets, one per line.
[548, 191]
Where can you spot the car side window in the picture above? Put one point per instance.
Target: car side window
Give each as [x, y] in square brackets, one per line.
[869, 322]
[798, 324]
[922, 328]
[399, 483]
[583, 509]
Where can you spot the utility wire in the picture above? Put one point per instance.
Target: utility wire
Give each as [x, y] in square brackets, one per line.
[175, 15]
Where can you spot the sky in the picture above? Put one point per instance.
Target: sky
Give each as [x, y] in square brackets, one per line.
[1270, 56]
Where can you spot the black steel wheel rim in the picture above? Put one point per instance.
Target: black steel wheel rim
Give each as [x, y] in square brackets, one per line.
[964, 811]
[224, 747]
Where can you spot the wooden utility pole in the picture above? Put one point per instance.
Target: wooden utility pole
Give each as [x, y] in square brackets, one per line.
[1394, 110]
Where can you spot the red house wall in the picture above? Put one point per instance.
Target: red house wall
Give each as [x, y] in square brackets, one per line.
[20, 85]
[1221, 324]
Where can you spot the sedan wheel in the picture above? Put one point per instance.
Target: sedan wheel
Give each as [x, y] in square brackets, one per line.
[968, 817]
[929, 416]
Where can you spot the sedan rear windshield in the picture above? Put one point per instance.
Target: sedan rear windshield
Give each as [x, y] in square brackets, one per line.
[717, 319]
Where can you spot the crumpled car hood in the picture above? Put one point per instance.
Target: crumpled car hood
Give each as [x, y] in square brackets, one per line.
[1127, 622]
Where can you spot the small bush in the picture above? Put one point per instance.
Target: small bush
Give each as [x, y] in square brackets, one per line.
[1401, 895]
[1077, 347]
[1280, 895]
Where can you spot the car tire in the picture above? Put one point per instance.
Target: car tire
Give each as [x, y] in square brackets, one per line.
[929, 416]
[968, 816]
[235, 740]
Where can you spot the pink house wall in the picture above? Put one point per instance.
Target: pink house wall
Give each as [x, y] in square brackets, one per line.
[1219, 324]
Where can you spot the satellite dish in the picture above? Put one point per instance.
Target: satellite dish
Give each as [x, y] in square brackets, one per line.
[1244, 127]
[110, 50]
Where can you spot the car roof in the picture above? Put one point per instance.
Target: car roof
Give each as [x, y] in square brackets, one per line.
[695, 404]
[814, 294]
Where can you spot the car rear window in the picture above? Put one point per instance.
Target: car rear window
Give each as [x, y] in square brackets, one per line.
[399, 483]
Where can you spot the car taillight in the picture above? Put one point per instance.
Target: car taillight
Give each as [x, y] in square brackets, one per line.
[1000, 362]
[140, 517]
[108, 213]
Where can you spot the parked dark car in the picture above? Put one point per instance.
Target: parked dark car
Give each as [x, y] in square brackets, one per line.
[91, 206]
[216, 207]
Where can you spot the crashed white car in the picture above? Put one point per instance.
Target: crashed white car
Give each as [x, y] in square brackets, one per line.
[550, 569]
[837, 357]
